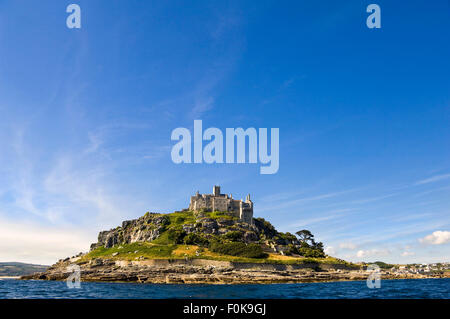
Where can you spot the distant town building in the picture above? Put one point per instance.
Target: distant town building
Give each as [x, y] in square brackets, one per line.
[223, 203]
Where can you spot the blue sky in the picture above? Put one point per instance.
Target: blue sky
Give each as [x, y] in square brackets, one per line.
[86, 119]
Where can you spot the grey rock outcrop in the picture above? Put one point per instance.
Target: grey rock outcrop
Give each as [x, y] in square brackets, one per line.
[145, 228]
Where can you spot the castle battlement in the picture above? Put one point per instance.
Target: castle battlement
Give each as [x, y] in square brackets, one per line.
[223, 203]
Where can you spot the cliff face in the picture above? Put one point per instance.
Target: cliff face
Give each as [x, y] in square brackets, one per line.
[146, 228]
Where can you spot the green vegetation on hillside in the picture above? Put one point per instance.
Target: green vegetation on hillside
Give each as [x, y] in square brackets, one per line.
[145, 251]
[238, 249]
[131, 251]
[181, 218]
[220, 215]
[208, 235]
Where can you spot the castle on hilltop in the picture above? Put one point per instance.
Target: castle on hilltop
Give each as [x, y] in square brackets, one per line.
[223, 203]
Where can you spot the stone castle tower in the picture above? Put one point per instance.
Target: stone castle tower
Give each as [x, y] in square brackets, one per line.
[223, 203]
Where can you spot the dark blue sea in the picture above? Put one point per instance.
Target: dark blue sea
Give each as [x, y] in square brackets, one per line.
[411, 288]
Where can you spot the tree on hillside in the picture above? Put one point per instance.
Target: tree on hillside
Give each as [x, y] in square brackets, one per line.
[305, 236]
[318, 246]
[308, 246]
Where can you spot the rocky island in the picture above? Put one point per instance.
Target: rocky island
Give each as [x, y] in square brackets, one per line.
[214, 241]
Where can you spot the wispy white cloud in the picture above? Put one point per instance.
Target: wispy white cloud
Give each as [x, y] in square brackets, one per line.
[226, 25]
[310, 221]
[372, 199]
[433, 179]
[295, 202]
[324, 216]
[202, 104]
[408, 254]
[74, 187]
[348, 245]
[410, 217]
[432, 191]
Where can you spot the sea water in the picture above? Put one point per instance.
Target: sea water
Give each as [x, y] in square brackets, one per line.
[408, 288]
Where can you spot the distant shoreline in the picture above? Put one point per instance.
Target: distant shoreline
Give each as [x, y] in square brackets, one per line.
[9, 277]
